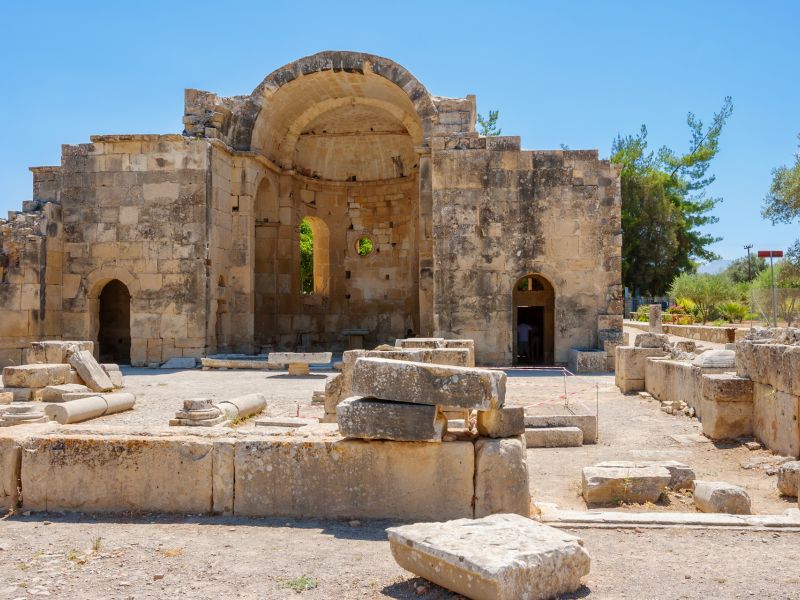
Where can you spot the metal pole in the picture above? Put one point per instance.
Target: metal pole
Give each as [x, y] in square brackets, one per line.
[566, 402]
[749, 264]
[774, 298]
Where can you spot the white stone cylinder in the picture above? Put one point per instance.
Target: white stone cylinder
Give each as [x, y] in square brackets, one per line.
[119, 402]
[75, 411]
[243, 406]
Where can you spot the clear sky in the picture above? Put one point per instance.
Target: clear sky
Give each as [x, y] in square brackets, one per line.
[574, 73]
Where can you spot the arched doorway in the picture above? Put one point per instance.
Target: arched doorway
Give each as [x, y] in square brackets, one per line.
[534, 320]
[114, 335]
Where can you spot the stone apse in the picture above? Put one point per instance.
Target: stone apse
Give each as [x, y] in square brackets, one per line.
[158, 246]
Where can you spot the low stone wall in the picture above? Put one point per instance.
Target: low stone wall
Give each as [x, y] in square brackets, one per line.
[310, 473]
[674, 380]
[629, 372]
[705, 333]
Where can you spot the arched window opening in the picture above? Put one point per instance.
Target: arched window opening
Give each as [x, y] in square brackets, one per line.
[364, 246]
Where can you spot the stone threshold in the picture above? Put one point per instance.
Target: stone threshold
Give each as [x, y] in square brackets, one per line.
[552, 515]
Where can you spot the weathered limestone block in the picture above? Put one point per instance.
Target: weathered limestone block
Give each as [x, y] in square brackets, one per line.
[6, 397]
[499, 557]
[54, 351]
[587, 361]
[55, 393]
[426, 383]
[716, 359]
[290, 422]
[681, 476]
[421, 343]
[501, 477]
[727, 406]
[90, 371]
[776, 419]
[610, 486]
[306, 358]
[75, 411]
[461, 344]
[98, 473]
[10, 456]
[675, 381]
[656, 324]
[721, 497]
[35, 376]
[178, 362]
[652, 340]
[553, 437]
[371, 419]
[211, 362]
[243, 406]
[586, 423]
[354, 479]
[19, 394]
[789, 478]
[222, 476]
[502, 423]
[629, 371]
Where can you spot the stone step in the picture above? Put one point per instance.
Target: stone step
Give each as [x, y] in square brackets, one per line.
[553, 437]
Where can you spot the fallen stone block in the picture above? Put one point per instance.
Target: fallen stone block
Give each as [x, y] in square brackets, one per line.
[586, 361]
[289, 422]
[553, 437]
[91, 407]
[19, 394]
[789, 478]
[727, 406]
[298, 362]
[242, 407]
[77, 395]
[98, 473]
[499, 557]
[177, 362]
[681, 476]
[55, 351]
[35, 376]
[425, 383]
[716, 359]
[21, 415]
[502, 422]
[629, 372]
[339, 478]
[55, 393]
[469, 345]
[586, 423]
[245, 362]
[612, 486]
[652, 340]
[420, 343]
[721, 497]
[10, 457]
[74, 377]
[6, 397]
[371, 419]
[90, 371]
[501, 477]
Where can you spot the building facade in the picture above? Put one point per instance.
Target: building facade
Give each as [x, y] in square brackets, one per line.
[187, 244]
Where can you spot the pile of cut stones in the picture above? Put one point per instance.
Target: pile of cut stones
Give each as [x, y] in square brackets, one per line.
[406, 401]
[204, 412]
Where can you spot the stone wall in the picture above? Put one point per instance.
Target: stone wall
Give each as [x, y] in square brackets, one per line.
[500, 213]
[706, 333]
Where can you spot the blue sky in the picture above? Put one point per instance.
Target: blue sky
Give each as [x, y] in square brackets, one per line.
[574, 73]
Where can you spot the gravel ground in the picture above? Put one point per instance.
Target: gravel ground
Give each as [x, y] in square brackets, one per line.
[142, 558]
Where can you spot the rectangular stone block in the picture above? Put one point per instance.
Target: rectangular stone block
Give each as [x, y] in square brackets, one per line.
[501, 477]
[35, 376]
[587, 361]
[612, 486]
[502, 423]
[586, 423]
[629, 373]
[54, 351]
[420, 343]
[308, 358]
[727, 406]
[222, 477]
[55, 393]
[500, 557]
[10, 456]
[776, 419]
[91, 372]
[19, 394]
[95, 473]
[6, 397]
[354, 479]
[553, 437]
[371, 419]
[424, 383]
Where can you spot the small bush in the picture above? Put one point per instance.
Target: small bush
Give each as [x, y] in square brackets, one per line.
[733, 312]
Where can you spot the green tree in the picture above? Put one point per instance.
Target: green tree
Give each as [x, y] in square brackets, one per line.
[488, 127]
[306, 257]
[782, 204]
[739, 272]
[706, 291]
[664, 203]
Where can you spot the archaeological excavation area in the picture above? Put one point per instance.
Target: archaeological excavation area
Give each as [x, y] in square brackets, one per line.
[331, 341]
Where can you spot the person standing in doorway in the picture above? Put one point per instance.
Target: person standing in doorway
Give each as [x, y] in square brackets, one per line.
[524, 341]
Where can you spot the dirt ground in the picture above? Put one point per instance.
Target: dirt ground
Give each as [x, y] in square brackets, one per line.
[196, 557]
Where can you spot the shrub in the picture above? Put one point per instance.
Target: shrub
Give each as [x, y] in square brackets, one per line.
[704, 290]
[733, 312]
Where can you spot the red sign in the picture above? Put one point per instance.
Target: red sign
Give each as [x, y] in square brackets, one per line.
[770, 253]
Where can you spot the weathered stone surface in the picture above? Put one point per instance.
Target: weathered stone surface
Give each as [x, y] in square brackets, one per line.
[586, 361]
[501, 477]
[6, 397]
[35, 376]
[371, 419]
[222, 476]
[789, 478]
[499, 557]
[298, 368]
[656, 323]
[420, 343]
[93, 473]
[502, 423]
[630, 366]
[354, 478]
[611, 486]
[54, 351]
[19, 394]
[308, 358]
[681, 476]
[586, 423]
[211, 362]
[652, 340]
[721, 497]
[290, 422]
[10, 456]
[776, 419]
[716, 359]
[243, 406]
[177, 362]
[553, 437]
[91, 372]
[727, 406]
[55, 393]
[423, 383]
[469, 345]
[91, 407]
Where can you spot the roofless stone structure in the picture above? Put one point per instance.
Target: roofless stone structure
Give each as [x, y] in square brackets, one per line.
[161, 246]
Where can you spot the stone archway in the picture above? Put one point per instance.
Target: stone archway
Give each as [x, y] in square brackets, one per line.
[114, 333]
[534, 320]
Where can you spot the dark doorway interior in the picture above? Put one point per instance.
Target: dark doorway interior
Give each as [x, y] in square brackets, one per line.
[530, 324]
[114, 337]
